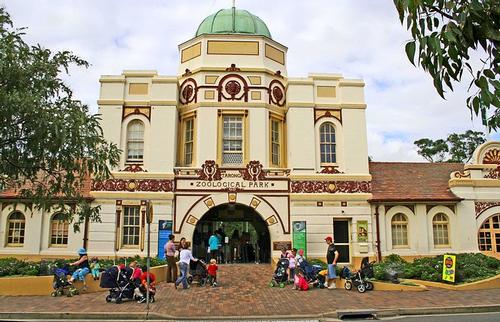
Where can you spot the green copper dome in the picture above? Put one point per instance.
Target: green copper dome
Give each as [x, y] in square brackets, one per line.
[233, 21]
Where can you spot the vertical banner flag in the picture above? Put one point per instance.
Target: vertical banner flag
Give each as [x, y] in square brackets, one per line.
[299, 236]
[449, 262]
[362, 231]
[164, 229]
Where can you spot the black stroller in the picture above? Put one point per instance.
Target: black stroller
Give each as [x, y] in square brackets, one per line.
[61, 284]
[360, 278]
[280, 276]
[311, 274]
[198, 272]
[119, 284]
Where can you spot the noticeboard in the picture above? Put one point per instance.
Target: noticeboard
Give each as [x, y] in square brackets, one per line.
[164, 230]
[299, 236]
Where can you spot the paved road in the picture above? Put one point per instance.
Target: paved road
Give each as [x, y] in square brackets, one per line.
[479, 317]
[244, 291]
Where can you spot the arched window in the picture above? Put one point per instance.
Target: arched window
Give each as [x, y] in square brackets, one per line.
[399, 229]
[135, 141]
[489, 235]
[16, 224]
[58, 230]
[440, 230]
[327, 143]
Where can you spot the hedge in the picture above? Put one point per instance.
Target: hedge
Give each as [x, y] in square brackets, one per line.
[469, 267]
[14, 267]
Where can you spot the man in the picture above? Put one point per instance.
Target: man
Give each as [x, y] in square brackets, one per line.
[170, 255]
[332, 255]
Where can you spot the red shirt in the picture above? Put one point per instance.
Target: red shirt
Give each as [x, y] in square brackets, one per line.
[212, 269]
[144, 277]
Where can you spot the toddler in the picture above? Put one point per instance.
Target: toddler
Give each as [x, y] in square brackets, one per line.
[212, 272]
[95, 268]
[300, 282]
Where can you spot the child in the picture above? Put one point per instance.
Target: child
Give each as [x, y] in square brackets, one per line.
[302, 284]
[283, 253]
[299, 258]
[144, 286]
[95, 268]
[212, 272]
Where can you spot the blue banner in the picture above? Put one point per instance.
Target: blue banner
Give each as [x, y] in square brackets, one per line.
[164, 230]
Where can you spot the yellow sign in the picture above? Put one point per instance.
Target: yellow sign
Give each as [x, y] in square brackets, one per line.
[449, 262]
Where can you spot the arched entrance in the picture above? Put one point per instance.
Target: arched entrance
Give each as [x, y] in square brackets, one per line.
[244, 235]
[489, 236]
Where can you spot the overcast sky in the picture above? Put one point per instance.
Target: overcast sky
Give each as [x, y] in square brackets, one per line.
[358, 38]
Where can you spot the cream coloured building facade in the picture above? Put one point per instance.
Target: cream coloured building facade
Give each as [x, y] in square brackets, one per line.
[233, 141]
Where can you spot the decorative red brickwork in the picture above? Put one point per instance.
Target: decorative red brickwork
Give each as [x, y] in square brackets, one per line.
[492, 157]
[483, 205]
[133, 168]
[131, 185]
[253, 171]
[331, 187]
[209, 171]
[493, 174]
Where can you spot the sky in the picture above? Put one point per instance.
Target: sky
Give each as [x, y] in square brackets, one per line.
[357, 38]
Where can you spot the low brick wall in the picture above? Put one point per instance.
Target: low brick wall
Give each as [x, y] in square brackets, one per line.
[489, 283]
[42, 285]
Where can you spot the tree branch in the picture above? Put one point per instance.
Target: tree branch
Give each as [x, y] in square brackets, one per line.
[444, 14]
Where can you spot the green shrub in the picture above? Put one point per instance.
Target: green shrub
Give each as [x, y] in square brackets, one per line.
[469, 267]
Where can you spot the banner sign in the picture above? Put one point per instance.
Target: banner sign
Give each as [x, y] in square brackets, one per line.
[362, 231]
[449, 262]
[164, 230]
[299, 236]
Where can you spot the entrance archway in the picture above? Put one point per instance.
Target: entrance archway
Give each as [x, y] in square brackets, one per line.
[489, 236]
[245, 237]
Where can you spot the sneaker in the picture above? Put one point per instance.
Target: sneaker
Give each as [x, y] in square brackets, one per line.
[142, 300]
[332, 287]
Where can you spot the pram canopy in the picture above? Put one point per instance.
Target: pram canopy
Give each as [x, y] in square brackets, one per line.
[115, 277]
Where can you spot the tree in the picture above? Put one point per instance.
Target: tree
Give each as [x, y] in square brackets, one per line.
[456, 148]
[50, 145]
[444, 32]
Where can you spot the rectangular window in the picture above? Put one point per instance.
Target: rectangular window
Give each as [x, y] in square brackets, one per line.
[59, 233]
[16, 232]
[399, 235]
[131, 226]
[275, 142]
[232, 140]
[188, 141]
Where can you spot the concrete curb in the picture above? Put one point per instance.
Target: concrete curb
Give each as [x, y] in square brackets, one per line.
[153, 316]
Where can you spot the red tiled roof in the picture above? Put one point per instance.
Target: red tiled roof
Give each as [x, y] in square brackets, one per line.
[412, 181]
[10, 193]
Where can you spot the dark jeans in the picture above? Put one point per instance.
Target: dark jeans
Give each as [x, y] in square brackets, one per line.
[214, 253]
[212, 279]
[171, 269]
[183, 278]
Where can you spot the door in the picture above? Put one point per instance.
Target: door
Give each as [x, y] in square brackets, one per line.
[342, 241]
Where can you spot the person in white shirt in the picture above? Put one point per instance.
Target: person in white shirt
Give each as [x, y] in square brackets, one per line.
[185, 256]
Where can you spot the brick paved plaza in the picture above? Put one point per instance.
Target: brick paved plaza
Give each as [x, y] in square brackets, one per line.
[244, 291]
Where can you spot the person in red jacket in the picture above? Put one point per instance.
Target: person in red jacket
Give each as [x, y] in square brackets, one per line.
[212, 272]
[144, 286]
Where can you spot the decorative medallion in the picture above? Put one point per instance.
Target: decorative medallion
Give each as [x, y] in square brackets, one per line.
[493, 174]
[188, 91]
[276, 92]
[492, 157]
[231, 197]
[209, 171]
[133, 168]
[483, 205]
[330, 170]
[233, 88]
[331, 187]
[131, 185]
[192, 220]
[254, 203]
[253, 171]
[271, 220]
[209, 202]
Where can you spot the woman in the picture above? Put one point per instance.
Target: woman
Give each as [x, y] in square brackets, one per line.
[170, 254]
[83, 267]
[185, 256]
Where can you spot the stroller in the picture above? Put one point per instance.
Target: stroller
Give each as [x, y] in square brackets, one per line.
[311, 274]
[198, 272]
[119, 284]
[61, 284]
[280, 276]
[359, 279]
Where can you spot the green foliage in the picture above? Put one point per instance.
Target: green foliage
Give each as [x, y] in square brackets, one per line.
[456, 148]
[444, 32]
[11, 266]
[470, 267]
[50, 145]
